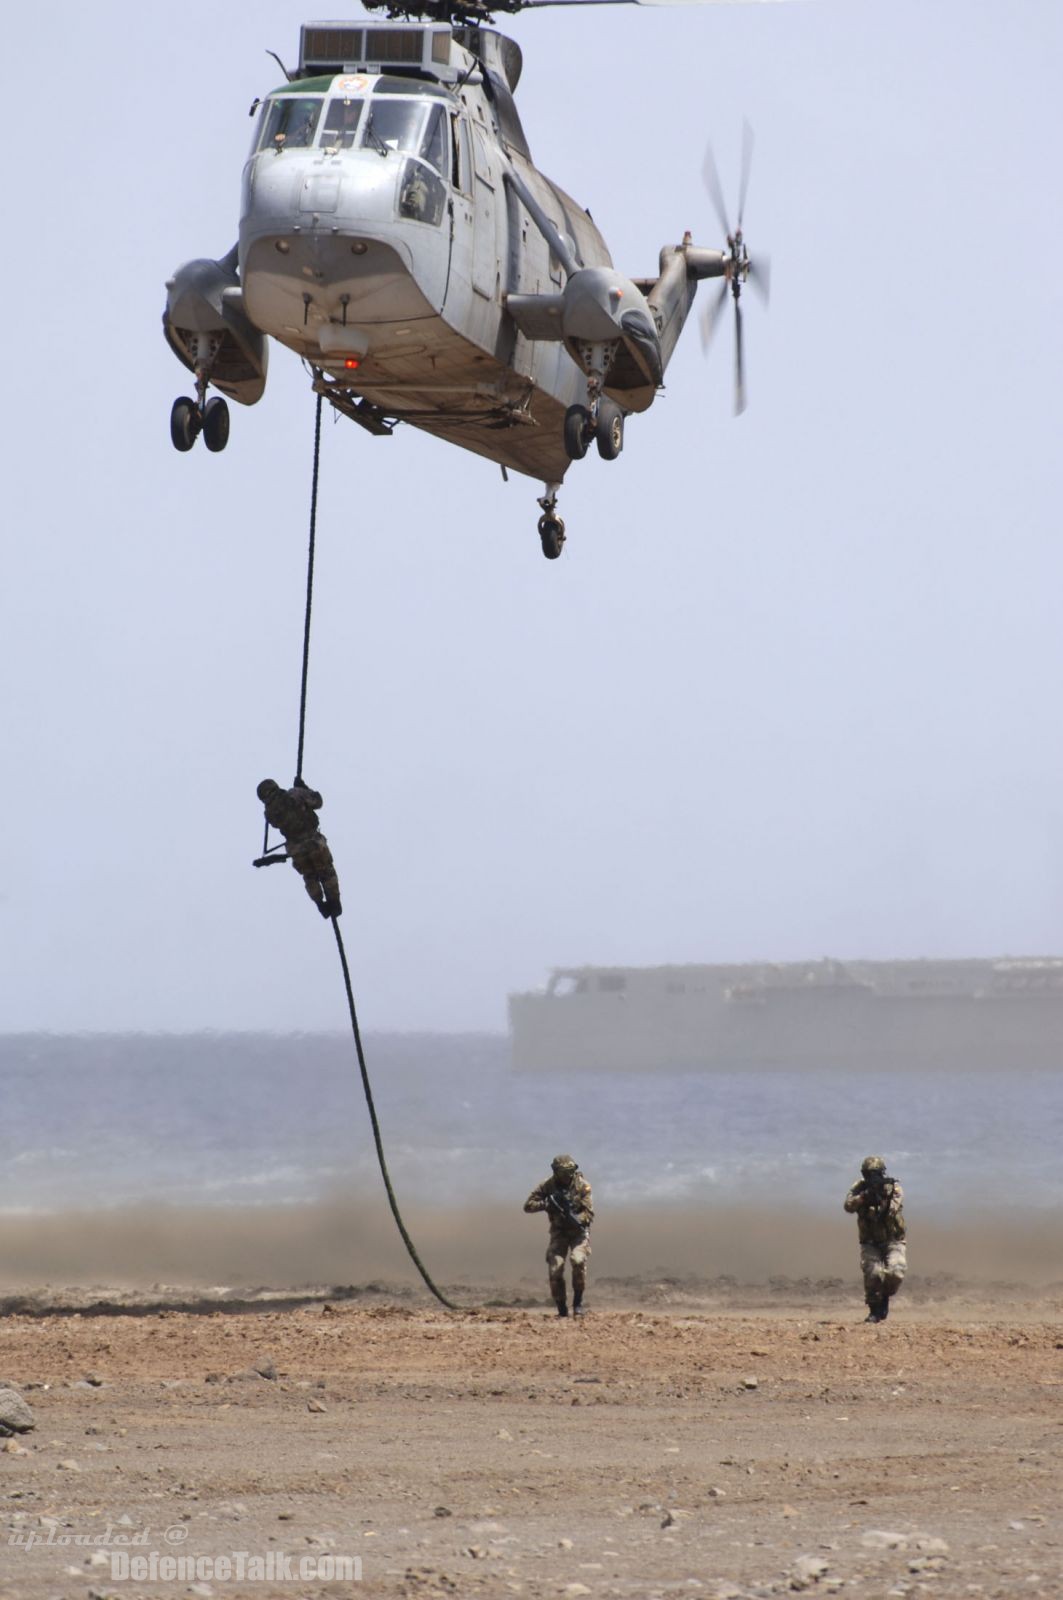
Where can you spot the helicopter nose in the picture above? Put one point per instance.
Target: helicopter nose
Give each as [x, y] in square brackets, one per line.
[323, 288]
[293, 194]
[327, 248]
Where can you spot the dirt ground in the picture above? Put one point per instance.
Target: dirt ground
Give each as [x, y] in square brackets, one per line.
[682, 1439]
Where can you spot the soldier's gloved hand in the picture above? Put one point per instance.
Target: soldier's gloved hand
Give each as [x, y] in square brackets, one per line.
[298, 783]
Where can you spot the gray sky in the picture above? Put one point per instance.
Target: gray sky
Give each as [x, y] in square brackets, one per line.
[793, 687]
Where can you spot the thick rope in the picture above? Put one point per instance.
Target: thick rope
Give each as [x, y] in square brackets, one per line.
[392, 1202]
[309, 592]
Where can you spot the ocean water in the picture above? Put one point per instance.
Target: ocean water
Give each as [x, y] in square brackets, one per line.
[237, 1120]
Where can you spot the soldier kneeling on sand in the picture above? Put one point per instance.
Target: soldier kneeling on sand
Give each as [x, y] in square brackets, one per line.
[566, 1199]
[877, 1200]
[293, 812]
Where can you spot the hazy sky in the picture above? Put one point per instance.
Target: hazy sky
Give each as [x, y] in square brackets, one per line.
[792, 689]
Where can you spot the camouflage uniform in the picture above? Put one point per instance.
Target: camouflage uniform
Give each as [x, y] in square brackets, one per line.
[882, 1232]
[293, 812]
[567, 1238]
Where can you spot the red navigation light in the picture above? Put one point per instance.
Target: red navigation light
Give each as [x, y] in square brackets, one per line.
[352, 363]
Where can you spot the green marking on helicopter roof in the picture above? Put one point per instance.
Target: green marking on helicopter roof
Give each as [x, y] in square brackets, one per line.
[308, 85]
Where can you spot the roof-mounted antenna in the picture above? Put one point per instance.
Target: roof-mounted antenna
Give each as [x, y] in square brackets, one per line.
[289, 75]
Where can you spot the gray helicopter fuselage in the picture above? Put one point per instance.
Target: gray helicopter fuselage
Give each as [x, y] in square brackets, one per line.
[382, 255]
[395, 233]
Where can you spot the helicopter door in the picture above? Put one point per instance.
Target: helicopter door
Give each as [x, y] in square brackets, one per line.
[463, 199]
[485, 267]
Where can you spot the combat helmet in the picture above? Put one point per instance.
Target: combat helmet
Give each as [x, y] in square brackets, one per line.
[565, 1168]
[873, 1166]
[267, 788]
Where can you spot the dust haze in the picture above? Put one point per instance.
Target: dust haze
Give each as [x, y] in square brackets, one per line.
[349, 1239]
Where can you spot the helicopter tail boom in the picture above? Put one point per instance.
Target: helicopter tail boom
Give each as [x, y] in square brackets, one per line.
[671, 296]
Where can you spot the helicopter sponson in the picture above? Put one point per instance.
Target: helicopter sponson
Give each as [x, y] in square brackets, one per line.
[599, 307]
[208, 330]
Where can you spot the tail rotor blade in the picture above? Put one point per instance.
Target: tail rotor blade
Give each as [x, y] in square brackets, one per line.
[738, 266]
[760, 276]
[711, 316]
[747, 163]
[740, 367]
[715, 188]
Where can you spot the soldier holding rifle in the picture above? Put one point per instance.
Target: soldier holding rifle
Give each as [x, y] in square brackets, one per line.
[877, 1200]
[566, 1199]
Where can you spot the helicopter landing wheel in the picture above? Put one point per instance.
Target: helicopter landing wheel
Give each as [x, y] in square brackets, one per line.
[609, 433]
[216, 424]
[184, 423]
[552, 534]
[579, 432]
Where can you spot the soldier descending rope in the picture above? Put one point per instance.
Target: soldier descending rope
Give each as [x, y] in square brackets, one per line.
[877, 1200]
[293, 812]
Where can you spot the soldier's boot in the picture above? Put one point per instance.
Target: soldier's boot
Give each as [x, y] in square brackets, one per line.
[577, 1303]
[330, 888]
[883, 1306]
[875, 1303]
[560, 1299]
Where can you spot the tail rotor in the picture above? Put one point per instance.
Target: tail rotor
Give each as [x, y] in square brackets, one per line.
[739, 267]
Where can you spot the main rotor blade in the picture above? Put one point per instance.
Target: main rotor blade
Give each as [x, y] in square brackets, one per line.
[711, 315]
[715, 188]
[747, 162]
[740, 367]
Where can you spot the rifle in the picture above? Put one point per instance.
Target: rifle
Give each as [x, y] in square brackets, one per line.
[879, 1192]
[561, 1205]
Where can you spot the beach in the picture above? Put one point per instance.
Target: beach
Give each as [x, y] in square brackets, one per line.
[685, 1438]
[232, 1362]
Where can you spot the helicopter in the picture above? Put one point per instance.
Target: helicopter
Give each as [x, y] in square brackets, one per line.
[396, 235]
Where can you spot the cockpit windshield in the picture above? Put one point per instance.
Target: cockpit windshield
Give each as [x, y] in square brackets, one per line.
[401, 125]
[394, 125]
[289, 123]
[341, 124]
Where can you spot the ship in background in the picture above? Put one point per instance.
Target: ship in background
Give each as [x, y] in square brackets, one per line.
[921, 1015]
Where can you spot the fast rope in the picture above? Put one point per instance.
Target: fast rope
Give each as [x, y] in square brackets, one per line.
[356, 1031]
[309, 608]
[392, 1202]
[309, 592]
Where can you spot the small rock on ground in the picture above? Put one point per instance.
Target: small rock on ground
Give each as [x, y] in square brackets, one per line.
[15, 1414]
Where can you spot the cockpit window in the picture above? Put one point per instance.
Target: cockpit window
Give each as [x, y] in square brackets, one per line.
[434, 142]
[341, 124]
[393, 125]
[289, 123]
[422, 196]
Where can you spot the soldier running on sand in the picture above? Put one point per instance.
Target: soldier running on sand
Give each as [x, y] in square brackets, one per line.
[293, 812]
[566, 1198]
[878, 1200]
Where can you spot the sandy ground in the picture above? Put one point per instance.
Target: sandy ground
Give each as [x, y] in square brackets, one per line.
[682, 1439]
